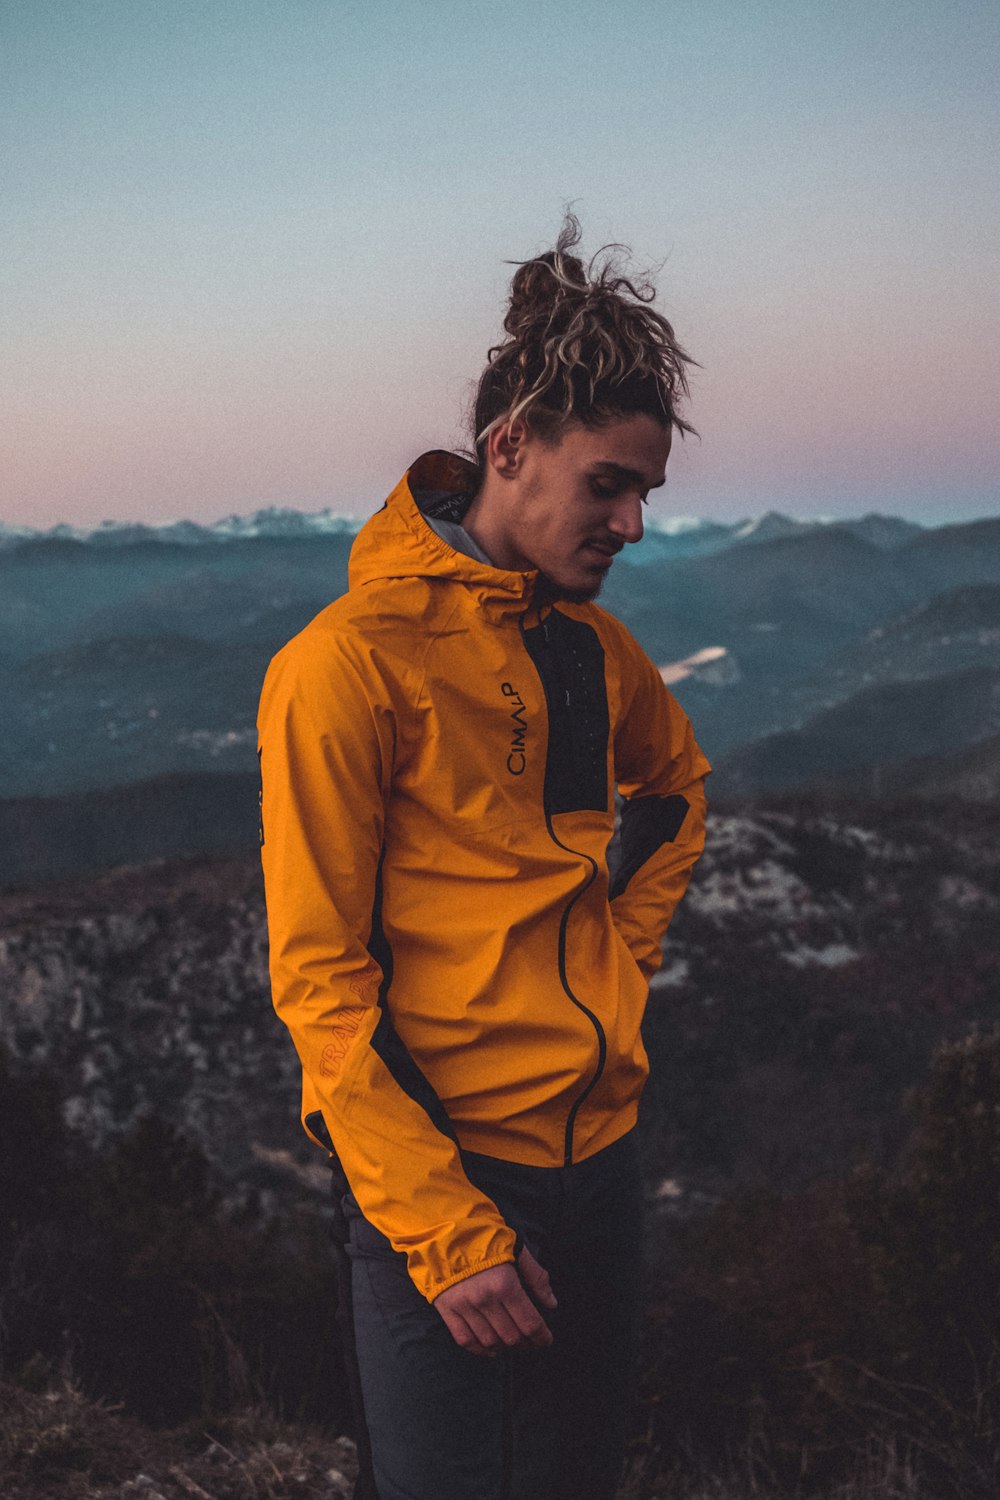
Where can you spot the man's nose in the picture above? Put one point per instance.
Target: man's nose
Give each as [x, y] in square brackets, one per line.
[626, 519]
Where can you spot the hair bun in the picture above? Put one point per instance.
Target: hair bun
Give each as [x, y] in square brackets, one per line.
[537, 285]
[583, 345]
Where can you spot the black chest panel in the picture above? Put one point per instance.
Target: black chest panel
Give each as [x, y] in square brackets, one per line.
[569, 659]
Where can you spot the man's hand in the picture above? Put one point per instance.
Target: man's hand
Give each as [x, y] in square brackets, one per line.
[492, 1310]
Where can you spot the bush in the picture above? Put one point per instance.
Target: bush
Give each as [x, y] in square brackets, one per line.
[801, 1329]
[129, 1263]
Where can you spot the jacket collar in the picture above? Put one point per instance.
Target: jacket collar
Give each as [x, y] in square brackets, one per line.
[398, 543]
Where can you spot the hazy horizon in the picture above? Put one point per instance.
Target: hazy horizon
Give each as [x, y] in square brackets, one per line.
[655, 520]
[659, 514]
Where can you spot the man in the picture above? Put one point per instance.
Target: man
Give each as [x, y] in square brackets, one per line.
[439, 754]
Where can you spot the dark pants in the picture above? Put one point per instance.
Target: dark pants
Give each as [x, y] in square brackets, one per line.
[531, 1424]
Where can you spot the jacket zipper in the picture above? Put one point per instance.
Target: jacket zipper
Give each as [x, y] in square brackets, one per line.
[602, 1042]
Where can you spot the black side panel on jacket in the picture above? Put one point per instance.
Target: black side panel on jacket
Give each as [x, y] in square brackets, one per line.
[317, 1125]
[385, 1040]
[647, 823]
[569, 658]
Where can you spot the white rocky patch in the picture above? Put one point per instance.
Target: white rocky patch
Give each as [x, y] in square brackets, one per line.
[675, 972]
[766, 889]
[958, 890]
[829, 957]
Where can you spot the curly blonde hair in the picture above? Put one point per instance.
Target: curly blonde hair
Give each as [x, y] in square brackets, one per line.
[584, 346]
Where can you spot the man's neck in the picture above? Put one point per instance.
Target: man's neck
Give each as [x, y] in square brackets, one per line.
[483, 522]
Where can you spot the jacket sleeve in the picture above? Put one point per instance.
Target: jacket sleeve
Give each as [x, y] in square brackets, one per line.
[661, 776]
[326, 746]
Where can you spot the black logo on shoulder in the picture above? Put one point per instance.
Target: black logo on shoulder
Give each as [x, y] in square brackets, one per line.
[517, 759]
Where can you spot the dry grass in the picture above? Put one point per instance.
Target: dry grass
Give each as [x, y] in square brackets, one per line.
[57, 1443]
[882, 1471]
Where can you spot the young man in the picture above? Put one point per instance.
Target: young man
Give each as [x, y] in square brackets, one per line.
[464, 982]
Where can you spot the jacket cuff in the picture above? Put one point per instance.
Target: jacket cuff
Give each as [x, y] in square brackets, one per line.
[442, 1286]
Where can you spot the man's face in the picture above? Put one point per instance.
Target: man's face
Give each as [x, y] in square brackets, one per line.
[570, 507]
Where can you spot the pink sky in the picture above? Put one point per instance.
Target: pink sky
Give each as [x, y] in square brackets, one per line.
[260, 265]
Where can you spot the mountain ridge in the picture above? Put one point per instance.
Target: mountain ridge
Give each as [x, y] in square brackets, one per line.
[687, 532]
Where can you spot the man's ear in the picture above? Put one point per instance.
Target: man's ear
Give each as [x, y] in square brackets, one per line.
[505, 447]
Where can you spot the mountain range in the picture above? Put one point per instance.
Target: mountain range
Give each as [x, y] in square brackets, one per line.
[678, 536]
[823, 653]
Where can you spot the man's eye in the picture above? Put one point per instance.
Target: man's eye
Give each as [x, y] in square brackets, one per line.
[611, 491]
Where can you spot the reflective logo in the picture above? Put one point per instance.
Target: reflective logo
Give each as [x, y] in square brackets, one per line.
[349, 1019]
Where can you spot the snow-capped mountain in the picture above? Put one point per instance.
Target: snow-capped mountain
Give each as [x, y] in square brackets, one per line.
[272, 521]
[283, 521]
[885, 532]
[674, 536]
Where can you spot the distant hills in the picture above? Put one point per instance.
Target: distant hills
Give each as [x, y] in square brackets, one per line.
[672, 535]
[165, 817]
[805, 652]
[277, 521]
[882, 725]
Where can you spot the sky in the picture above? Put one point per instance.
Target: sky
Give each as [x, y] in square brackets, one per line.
[255, 251]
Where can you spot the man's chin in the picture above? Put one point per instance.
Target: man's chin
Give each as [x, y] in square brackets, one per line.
[583, 596]
[573, 593]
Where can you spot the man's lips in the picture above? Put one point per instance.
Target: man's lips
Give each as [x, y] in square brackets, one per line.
[603, 552]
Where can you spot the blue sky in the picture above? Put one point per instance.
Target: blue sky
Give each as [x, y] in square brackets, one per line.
[256, 252]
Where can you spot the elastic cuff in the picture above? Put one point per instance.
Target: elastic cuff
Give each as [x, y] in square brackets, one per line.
[497, 1260]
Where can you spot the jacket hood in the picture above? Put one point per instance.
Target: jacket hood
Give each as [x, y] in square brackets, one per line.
[397, 542]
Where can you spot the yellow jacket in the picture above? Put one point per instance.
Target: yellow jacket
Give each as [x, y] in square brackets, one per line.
[438, 764]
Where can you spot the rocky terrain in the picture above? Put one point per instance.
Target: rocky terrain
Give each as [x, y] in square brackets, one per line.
[814, 963]
[810, 1247]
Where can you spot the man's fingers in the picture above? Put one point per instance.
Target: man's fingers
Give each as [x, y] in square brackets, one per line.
[536, 1278]
[463, 1334]
[527, 1317]
[491, 1310]
[487, 1337]
[508, 1322]
[506, 1316]
[505, 1327]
